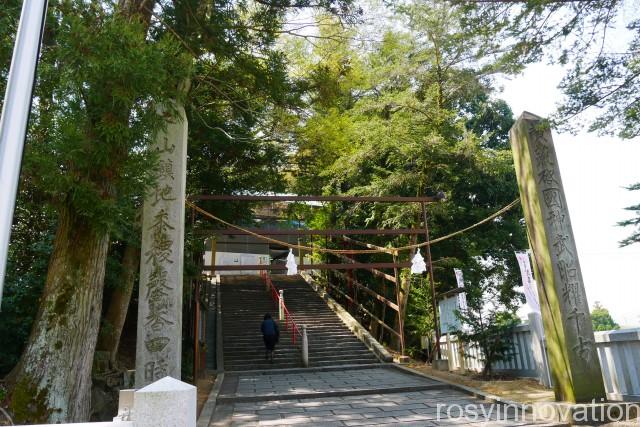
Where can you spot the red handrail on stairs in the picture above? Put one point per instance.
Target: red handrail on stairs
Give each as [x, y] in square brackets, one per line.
[275, 295]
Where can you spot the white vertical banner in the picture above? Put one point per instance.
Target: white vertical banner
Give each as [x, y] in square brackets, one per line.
[449, 322]
[529, 284]
[462, 296]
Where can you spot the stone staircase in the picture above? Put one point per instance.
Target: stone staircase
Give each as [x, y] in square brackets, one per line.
[244, 303]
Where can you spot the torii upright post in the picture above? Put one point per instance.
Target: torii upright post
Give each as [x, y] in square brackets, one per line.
[575, 366]
[434, 303]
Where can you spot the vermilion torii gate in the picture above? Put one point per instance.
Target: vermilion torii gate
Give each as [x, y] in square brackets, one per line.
[349, 264]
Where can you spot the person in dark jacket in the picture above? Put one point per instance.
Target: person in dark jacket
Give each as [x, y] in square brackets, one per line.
[270, 335]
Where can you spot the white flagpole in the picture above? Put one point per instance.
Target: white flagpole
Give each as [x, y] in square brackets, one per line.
[15, 115]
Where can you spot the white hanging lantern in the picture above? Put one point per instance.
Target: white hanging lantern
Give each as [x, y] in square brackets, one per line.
[292, 267]
[418, 265]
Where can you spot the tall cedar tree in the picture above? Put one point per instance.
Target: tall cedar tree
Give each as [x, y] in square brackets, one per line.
[99, 80]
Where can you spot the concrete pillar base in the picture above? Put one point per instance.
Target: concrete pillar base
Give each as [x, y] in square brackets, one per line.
[441, 365]
[165, 403]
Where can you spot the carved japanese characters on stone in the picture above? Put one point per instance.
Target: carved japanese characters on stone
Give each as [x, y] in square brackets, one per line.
[160, 303]
[155, 370]
[574, 362]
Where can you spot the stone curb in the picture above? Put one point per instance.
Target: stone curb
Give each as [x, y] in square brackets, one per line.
[354, 326]
[323, 394]
[473, 392]
[304, 370]
[209, 408]
[467, 390]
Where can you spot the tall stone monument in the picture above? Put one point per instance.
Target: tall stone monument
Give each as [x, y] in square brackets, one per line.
[159, 340]
[574, 362]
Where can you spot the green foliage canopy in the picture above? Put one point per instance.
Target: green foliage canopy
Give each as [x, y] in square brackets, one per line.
[415, 115]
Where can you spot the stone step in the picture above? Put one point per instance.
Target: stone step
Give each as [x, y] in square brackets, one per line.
[318, 330]
[264, 365]
[240, 323]
[296, 357]
[237, 325]
[247, 351]
[319, 333]
[242, 352]
[341, 357]
[244, 302]
[239, 334]
[258, 344]
[346, 362]
[279, 363]
[259, 356]
[312, 352]
[313, 343]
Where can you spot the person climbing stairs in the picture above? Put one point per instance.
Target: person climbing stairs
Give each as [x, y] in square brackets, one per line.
[244, 304]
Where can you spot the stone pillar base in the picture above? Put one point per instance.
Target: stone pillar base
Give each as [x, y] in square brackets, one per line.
[165, 403]
[403, 360]
[441, 365]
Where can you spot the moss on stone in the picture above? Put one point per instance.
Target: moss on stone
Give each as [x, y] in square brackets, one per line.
[28, 403]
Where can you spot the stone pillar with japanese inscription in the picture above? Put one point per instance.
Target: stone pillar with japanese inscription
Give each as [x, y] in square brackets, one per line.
[159, 335]
[574, 362]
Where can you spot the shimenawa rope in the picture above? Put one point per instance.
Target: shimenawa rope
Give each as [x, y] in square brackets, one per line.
[392, 251]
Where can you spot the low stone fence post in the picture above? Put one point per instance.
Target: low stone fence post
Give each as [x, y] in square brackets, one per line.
[619, 353]
[305, 347]
[165, 403]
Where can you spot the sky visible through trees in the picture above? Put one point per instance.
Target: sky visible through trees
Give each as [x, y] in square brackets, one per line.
[597, 201]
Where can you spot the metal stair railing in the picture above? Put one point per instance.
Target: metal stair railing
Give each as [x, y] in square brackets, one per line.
[282, 308]
[288, 318]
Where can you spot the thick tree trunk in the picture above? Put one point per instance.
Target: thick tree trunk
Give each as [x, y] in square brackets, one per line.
[113, 322]
[52, 381]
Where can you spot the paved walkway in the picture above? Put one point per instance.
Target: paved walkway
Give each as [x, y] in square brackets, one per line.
[297, 383]
[348, 396]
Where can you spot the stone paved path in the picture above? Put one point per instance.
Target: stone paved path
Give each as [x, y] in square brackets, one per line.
[349, 396]
[327, 381]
